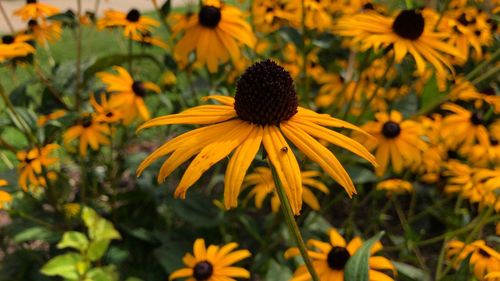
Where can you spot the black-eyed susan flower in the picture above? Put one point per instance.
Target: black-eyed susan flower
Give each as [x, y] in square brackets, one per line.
[264, 111]
[35, 10]
[406, 33]
[269, 16]
[213, 263]
[216, 35]
[32, 163]
[397, 141]
[44, 32]
[395, 186]
[128, 94]
[44, 119]
[484, 259]
[493, 276]
[263, 184]
[15, 46]
[133, 22]
[104, 112]
[463, 128]
[146, 38]
[329, 259]
[88, 131]
[5, 197]
[72, 210]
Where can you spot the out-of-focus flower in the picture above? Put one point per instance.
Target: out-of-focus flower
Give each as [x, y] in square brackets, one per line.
[88, 131]
[104, 112]
[128, 94]
[213, 263]
[34, 10]
[15, 46]
[5, 197]
[32, 164]
[44, 119]
[263, 185]
[44, 32]
[483, 258]
[395, 186]
[147, 39]
[216, 34]
[329, 259]
[132, 22]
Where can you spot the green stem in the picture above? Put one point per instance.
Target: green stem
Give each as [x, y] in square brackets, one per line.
[483, 64]
[130, 52]
[292, 224]
[305, 79]
[486, 75]
[7, 19]
[409, 4]
[78, 85]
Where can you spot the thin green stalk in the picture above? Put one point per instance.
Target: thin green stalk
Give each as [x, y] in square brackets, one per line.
[7, 19]
[409, 4]
[14, 114]
[130, 53]
[493, 71]
[482, 65]
[305, 78]
[292, 224]
[78, 85]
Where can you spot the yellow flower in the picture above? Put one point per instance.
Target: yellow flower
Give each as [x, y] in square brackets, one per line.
[89, 132]
[42, 120]
[213, 263]
[147, 39]
[484, 259]
[463, 128]
[104, 111]
[216, 34]
[45, 32]
[269, 16]
[127, 94]
[395, 186]
[71, 210]
[35, 10]
[265, 107]
[32, 163]
[263, 182]
[407, 33]
[133, 22]
[329, 259]
[168, 79]
[5, 197]
[396, 141]
[15, 46]
[493, 276]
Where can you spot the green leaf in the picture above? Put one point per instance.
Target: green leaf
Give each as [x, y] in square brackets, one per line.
[463, 273]
[277, 271]
[411, 272]
[35, 233]
[64, 266]
[75, 240]
[98, 227]
[360, 175]
[357, 267]
[19, 96]
[430, 97]
[97, 249]
[106, 273]
[198, 210]
[165, 8]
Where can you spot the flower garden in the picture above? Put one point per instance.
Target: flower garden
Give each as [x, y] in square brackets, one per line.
[272, 140]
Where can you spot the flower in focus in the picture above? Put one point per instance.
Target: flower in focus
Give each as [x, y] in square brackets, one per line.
[406, 33]
[104, 111]
[15, 47]
[213, 263]
[216, 34]
[264, 108]
[483, 258]
[463, 128]
[329, 259]
[34, 10]
[132, 22]
[45, 32]
[127, 94]
[88, 131]
[395, 186]
[32, 164]
[396, 141]
[263, 182]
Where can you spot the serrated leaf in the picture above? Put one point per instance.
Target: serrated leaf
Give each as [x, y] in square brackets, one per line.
[75, 240]
[63, 265]
[357, 266]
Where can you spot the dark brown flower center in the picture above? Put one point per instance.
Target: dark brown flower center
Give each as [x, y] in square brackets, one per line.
[337, 258]
[493, 141]
[109, 114]
[391, 129]
[138, 88]
[368, 6]
[31, 1]
[7, 39]
[484, 253]
[133, 16]
[476, 118]
[32, 23]
[265, 94]
[86, 121]
[409, 24]
[488, 91]
[203, 271]
[209, 16]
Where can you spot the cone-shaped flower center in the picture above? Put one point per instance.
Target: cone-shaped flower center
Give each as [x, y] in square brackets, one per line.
[31, 1]
[337, 258]
[209, 16]
[409, 24]
[368, 6]
[86, 121]
[265, 94]
[493, 141]
[203, 271]
[476, 118]
[32, 23]
[134, 15]
[7, 39]
[138, 88]
[391, 129]
[484, 253]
